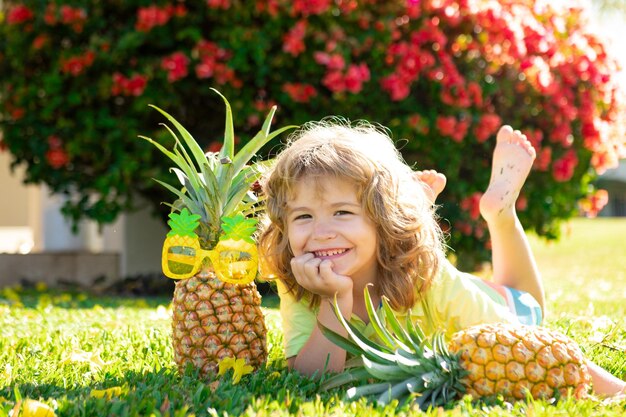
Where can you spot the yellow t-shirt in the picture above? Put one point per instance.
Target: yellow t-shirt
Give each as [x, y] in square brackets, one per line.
[455, 300]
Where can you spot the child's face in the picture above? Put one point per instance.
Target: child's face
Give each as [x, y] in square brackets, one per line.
[326, 218]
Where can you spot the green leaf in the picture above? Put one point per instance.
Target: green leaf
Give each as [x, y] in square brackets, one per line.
[183, 223]
[346, 377]
[237, 227]
[368, 346]
[378, 326]
[399, 331]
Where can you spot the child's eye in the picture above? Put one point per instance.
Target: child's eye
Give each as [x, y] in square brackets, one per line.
[302, 217]
[343, 212]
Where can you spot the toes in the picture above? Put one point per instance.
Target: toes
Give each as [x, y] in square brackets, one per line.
[504, 134]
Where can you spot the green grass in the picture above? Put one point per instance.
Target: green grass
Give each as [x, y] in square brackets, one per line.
[59, 347]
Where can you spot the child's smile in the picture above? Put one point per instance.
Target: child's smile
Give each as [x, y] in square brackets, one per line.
[326, 219]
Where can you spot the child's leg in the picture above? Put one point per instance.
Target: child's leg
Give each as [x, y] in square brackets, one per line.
[513, 261]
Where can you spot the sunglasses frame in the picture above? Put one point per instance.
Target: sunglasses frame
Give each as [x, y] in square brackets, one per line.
[200, 257]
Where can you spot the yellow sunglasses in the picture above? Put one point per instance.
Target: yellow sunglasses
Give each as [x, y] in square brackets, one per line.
[234, 261]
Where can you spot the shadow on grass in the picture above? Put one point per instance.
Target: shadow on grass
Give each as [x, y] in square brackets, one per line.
[84, 298]
[166, 392]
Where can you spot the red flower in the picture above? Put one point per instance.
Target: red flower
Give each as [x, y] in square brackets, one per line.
[544, 158]
[270, 6]
[133, 86]
[356, 76]
[218, 4]
[521, 203]
[152, 16]
[451, 127]
[176, 66]
[293, 40]
[73, 17]
[475, 93]
[472, 204]
[308, 7]
[54, 142]
[446, 125]
[331, 61]
[56, 155]
[300, 93]
[17, 113]
[19, 14]
[593, 204]
[57, 158]
[397, 87]
[40, 41]
[487, 126]
[75, 65]
[334, 81]
[563, 168]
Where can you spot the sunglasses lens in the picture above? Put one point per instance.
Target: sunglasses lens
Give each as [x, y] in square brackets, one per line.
[237, 266]
[181, 259]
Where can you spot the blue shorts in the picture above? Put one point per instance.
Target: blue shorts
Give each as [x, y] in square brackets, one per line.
[520, 303]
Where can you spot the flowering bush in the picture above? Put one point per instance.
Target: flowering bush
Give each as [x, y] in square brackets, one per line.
[76, 78]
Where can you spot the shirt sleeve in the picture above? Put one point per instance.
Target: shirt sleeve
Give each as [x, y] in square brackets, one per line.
[458, 302]
[298, 321]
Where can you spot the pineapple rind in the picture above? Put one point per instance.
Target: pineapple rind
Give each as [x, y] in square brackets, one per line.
[433, 375]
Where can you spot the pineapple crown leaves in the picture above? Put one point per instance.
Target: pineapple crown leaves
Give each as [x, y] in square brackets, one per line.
[237, 227]
[405, 364]
[214, 185]
[183, 223]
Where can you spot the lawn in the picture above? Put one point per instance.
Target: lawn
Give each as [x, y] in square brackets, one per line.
[64, 349]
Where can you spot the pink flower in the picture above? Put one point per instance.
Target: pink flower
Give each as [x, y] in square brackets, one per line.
[176, 66]
[19, 14]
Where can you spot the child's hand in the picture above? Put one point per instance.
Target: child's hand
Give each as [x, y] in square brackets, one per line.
[317, 276]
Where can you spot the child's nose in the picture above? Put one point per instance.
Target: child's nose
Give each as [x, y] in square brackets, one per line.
[323, 231]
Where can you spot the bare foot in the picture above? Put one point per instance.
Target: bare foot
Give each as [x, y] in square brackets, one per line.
[433, 182]
[512, 159]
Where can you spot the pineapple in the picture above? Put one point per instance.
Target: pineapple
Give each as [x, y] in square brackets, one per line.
[513, 361]
[211, 238]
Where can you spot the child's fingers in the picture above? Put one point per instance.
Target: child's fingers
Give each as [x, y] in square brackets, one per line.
[311, 268]
[335, 283]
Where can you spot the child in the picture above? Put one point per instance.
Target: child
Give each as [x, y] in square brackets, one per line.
[344, 212]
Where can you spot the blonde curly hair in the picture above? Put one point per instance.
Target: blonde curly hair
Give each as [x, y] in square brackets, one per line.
[410, 248]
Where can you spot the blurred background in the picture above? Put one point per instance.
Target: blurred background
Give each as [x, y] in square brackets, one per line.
[71, 243]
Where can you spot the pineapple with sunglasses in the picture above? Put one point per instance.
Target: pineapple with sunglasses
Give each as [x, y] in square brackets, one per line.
[210, 250]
